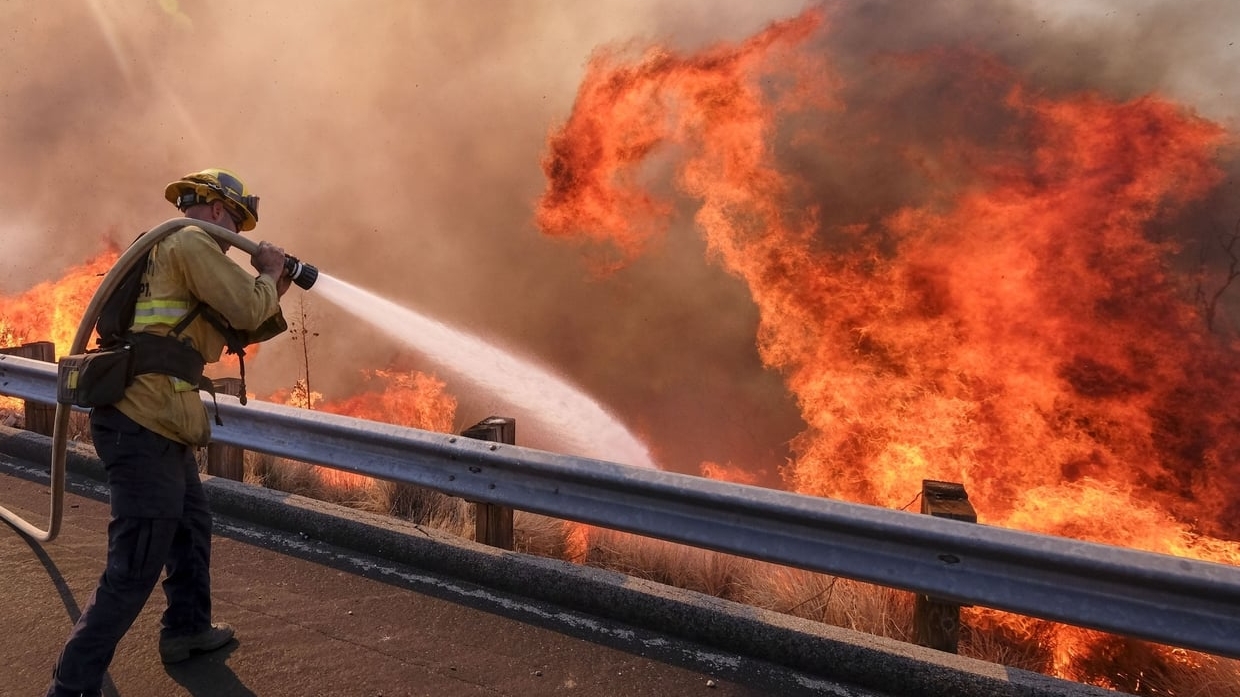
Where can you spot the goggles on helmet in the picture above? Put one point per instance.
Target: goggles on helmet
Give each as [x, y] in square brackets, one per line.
[206, 187]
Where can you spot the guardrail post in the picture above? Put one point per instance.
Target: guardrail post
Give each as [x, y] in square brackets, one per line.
[40, 418]
[493, 524]
[936, 623]
[226, 461]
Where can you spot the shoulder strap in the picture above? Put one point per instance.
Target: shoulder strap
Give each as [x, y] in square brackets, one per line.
[232, 339]
[187, 319]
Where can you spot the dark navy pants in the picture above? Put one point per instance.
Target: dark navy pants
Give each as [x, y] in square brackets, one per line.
[160, 518]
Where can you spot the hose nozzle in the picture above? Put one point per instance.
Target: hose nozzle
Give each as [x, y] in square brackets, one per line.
[303, 274]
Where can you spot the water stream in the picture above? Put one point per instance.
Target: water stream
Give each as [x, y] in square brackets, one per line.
[547, 402]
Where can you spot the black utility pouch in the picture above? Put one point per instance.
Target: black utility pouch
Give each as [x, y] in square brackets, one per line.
[94, 378]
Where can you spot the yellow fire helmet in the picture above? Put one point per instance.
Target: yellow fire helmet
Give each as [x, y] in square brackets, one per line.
[215, 185]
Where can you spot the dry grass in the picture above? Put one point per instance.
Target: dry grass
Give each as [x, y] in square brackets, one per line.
[539, 535]
[416, 504]
[720, 575]
[836, 601]
[79, 422]
[533, 534]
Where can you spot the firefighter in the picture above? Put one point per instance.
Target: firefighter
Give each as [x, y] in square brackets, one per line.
[193, 293]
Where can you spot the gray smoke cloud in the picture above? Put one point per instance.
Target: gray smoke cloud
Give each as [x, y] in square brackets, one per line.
[397, 145]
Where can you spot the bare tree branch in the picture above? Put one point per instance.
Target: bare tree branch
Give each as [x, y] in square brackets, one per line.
[1209, 305]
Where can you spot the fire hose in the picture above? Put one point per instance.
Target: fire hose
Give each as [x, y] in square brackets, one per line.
[304, 275]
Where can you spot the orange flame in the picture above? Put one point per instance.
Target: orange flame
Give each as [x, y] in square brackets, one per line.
[409, 399]
[52, 310]
[1014, 324]
[729, 473]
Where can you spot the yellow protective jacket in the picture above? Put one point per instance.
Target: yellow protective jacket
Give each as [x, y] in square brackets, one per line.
[187, 268]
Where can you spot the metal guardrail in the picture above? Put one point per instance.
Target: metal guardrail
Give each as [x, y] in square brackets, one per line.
[1170, 600]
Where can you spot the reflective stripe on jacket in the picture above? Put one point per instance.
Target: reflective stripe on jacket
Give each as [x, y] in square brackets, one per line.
[149, 311]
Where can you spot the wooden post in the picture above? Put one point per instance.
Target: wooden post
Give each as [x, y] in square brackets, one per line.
[936, 623]
[493, 524]
[40, 418]
[226, 461]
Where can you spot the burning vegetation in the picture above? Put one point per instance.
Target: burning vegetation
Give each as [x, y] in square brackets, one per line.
[52, 310]
[1022, 329]
[961, 276]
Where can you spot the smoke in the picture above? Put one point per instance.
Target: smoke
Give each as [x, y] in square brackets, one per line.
[398, 145]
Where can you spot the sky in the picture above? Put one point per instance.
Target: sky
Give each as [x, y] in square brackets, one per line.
[398, 146]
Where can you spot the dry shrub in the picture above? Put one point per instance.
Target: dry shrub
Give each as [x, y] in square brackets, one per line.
[1209, 677]
[997, 643]
[79, 427]
[13, 415]
[836, 601]
[539, 535]
[1142, 668]
[721, 575]
[425, 507]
